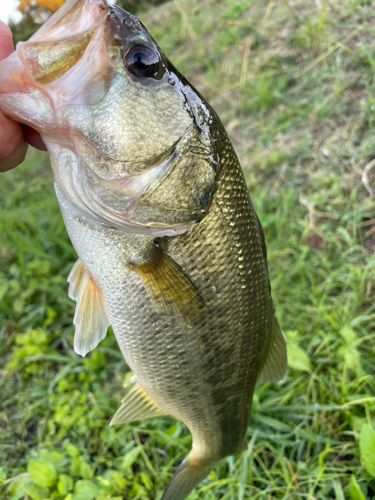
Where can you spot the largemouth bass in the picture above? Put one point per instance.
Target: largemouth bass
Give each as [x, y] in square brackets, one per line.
[171, 251]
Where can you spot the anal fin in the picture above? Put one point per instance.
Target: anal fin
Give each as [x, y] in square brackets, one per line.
[169, 287]
[90, 318]
[275, 365]
[137, 405]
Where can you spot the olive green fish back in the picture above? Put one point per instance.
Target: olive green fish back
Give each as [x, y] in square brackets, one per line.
[223, 256]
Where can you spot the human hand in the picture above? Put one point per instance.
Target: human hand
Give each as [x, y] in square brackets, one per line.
[14, 137]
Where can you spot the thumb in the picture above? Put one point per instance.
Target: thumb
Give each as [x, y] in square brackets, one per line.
[6, 41]
[12, 144]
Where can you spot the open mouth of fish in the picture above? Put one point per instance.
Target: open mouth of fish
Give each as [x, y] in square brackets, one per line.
[59, 85]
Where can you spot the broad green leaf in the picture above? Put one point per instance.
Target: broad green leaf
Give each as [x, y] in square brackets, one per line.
[110, 481]
[35, 492]
[38, 336]
[71, 450]
[115, 477]
[146, 480]
[105, 485]
[85, 490]
[104, 496]
[57, 458]
[367, 447]
[355, 490]
[42, 472]
[64, 484]
[140, 490]
[85, 470]
[131, 457]
[75, 466]
[298, 359]
[17, 488]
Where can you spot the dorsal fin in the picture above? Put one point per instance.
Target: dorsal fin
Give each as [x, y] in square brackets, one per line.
[275, 365]
[90, 318]
[169, 287]
[137, 405]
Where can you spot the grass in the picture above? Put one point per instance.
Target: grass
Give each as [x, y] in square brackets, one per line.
[293, 84]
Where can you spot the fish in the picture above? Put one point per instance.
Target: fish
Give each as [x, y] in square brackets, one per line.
[171, 252]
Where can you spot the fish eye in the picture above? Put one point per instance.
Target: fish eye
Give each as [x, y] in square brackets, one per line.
[142, 61]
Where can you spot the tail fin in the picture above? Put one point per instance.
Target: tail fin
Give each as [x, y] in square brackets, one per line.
[188, 475]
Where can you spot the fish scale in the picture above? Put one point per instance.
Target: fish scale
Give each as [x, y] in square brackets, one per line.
[223, 251]
[171, 251]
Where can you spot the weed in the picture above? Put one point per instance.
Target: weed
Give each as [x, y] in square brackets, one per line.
[293, 83]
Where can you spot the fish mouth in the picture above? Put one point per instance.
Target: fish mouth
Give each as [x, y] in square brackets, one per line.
[34, 74]
[78, 15]
[49, 54]
[50, 74]
[39, 74]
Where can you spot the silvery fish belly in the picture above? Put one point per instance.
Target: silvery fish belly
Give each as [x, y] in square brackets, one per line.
[171, 252]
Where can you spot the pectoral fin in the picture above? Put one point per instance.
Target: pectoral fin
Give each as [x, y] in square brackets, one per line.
[137, 405]
[90, 318]
[75, 280]
[169, 287]
[276, 362]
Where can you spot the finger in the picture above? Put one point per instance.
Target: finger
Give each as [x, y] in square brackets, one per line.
[12, 144]
[33, 138]
[6, 47]
[6, 41]
[12, 136]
